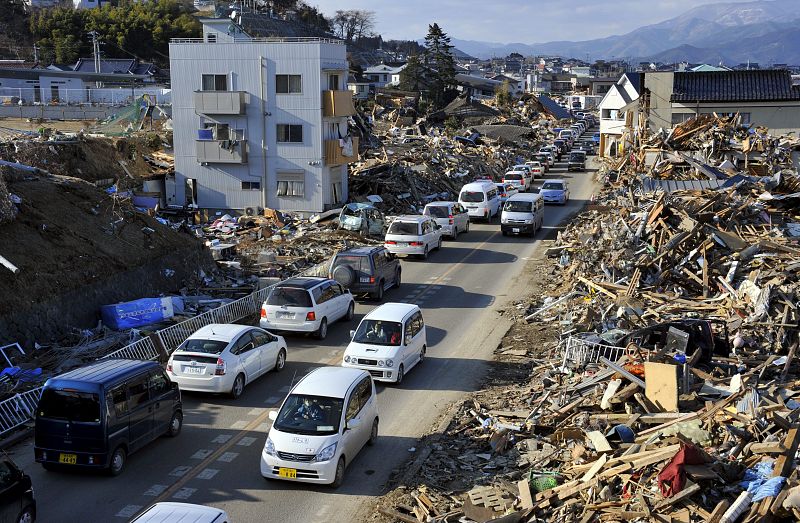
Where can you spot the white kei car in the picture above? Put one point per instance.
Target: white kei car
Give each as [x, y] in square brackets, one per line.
[413, 234]
[224, 358]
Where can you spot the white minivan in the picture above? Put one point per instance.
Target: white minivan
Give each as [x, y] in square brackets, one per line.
[413, 234]
[321, 426]
[389, 341]
[522, 214]
[480, 199]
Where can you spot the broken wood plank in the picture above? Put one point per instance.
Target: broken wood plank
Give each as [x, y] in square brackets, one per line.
[596, 466]
[661, 385]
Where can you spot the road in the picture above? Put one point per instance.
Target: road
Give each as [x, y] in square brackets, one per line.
[215, 460]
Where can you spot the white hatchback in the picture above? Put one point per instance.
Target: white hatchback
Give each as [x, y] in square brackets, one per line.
[306, 304]
[413, 234]
[389, 342]
[321, 426]
[224, 358]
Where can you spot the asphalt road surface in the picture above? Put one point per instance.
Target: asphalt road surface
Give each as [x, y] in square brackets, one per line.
[215, 460]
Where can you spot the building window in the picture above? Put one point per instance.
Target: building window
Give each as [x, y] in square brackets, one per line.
[336, 192]
[333, 82]
[386, 78]
[211, 38]
[679, 118]
[291, 183]
[215, 82]
[251, 186]
[290, 133]
[288, 84]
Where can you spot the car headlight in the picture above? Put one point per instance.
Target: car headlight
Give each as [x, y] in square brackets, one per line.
[389, 363]
[380, 363]
[347, 359]
[528, 222]
[327, 453]
[269, 447]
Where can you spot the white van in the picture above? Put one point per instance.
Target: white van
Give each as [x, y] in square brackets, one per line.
[171, 512]
[480, 199]
[522, 214]
[321, 426]
[389, 341]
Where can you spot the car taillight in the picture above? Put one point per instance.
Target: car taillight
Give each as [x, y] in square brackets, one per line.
[390, 242]
[415, 244]
[263, 312]
[311, 316]
[220, 371]
[372, 279]
[451, 221]
[169, 367]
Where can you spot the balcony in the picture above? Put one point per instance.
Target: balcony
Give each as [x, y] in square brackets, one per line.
[337, 103]
[220, 102]
[219, 151]
[334, 155]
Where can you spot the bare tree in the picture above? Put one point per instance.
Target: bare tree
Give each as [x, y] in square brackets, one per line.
[365, 23]
[352, 24]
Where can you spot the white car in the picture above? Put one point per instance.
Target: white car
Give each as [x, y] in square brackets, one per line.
[224, 358]
[519, 179]
[480, 199]
[321, 426]
[306, 304]
[452, 216]
[181, 512]
[389, 342]
[413, 234]
[536, 169]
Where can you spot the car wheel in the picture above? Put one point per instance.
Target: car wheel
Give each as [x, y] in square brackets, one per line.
[397, 278]
[175, 424]
[455, 233]
[280, 361]
[322, 332]
[422, 354]
[26, 516]
[439, 245]
[378, 294]
[425, 254]
[467, 229]
[504, 233]
[117, 461]
[238, 386]
[338, 478]
[351, 309]
[401, 373]
[50, 467]
[373, 436]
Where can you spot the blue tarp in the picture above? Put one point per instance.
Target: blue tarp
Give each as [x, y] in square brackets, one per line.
[139, 313]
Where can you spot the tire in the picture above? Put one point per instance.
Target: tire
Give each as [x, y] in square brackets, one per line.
[504, 233]
[338, 479]
[28, 515]
[439, 245]
[322, 332]
[118, 459]
[351, 310]
[422, 354]
[378, 295]
[401, 373]
[373, 436]
[424, 255]
[344, 274]
[455, 233]
[50, 467]
[397, 279]
[467, 230]
[175, 424]
[238, 386]
[280, 361]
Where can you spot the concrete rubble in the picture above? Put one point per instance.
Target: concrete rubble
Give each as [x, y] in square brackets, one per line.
[653, 376]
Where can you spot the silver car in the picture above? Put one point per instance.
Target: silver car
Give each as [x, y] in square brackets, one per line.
[453, 218]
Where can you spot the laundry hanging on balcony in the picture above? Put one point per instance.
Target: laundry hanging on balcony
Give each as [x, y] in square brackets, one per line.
[346, 144]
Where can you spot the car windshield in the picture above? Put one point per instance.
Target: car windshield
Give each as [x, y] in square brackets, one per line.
[204, 346]
[358, 263]
[437, 211]
[378, 332]
[290, 296]
[518, 206]
[69, 405]
[575, 157]
[311, 415]
[399, 227]
[513, 176]
[471, 196]
[552, 186]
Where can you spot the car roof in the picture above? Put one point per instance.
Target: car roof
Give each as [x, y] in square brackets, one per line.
[220, 331]
[171, 512]
[101, 372]
[524, 196]
[556, 181]
[477, 185]
[361, 251]
[332, 382]
[439, 204]
[416, 218]
[302, 282]
[391, 311]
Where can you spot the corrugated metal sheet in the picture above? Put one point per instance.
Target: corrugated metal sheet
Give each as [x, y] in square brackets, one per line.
[553, 108]
[654, 185]
[733, 86]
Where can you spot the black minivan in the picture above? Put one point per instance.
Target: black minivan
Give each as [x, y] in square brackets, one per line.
[95, 416]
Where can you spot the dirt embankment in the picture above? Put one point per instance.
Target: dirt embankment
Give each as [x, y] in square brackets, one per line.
[77, 248]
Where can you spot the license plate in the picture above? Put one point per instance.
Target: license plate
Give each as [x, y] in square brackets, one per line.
[285, 315]
[515, 230]
[69, 459]
[193, 370]
[287, 473]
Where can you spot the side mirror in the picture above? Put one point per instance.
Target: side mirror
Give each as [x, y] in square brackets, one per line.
[353, 424]
[273, 415]
[352, 334]
[438, 226]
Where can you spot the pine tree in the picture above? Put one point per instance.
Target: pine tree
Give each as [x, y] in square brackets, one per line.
[438, 59]
[412, 76]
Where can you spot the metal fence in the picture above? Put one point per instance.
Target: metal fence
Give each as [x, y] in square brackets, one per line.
[579, 352]
[90, 96]
[18, 409]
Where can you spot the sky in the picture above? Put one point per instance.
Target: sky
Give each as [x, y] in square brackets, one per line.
[519, 21]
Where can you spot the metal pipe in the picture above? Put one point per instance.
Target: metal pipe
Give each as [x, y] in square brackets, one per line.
[8, 265]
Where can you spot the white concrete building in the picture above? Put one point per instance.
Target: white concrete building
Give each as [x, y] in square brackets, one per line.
[618, 109]
[384, 74]
[259, 122]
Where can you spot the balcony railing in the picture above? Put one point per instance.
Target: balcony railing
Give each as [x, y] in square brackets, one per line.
[221, 151]
[335, 156]
[220, 102]
[337, 103]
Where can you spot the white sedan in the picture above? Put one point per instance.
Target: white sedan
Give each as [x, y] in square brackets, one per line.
[225, 358]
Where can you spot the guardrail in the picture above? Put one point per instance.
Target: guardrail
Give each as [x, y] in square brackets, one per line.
[20, 408]
[579, 353]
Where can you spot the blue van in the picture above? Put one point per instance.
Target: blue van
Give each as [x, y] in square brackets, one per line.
[97, 415]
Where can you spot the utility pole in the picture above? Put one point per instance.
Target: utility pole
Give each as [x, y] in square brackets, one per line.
[95, 54]
[35, 53]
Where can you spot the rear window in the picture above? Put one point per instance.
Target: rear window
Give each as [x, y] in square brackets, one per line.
[513, 176]
[576, 157]
[518, 206]
[437, 211]
[399, 227]
[358, 263]
[204, 346]
[290, 296]
[472, 196]
[69, 406]
[553, 186]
